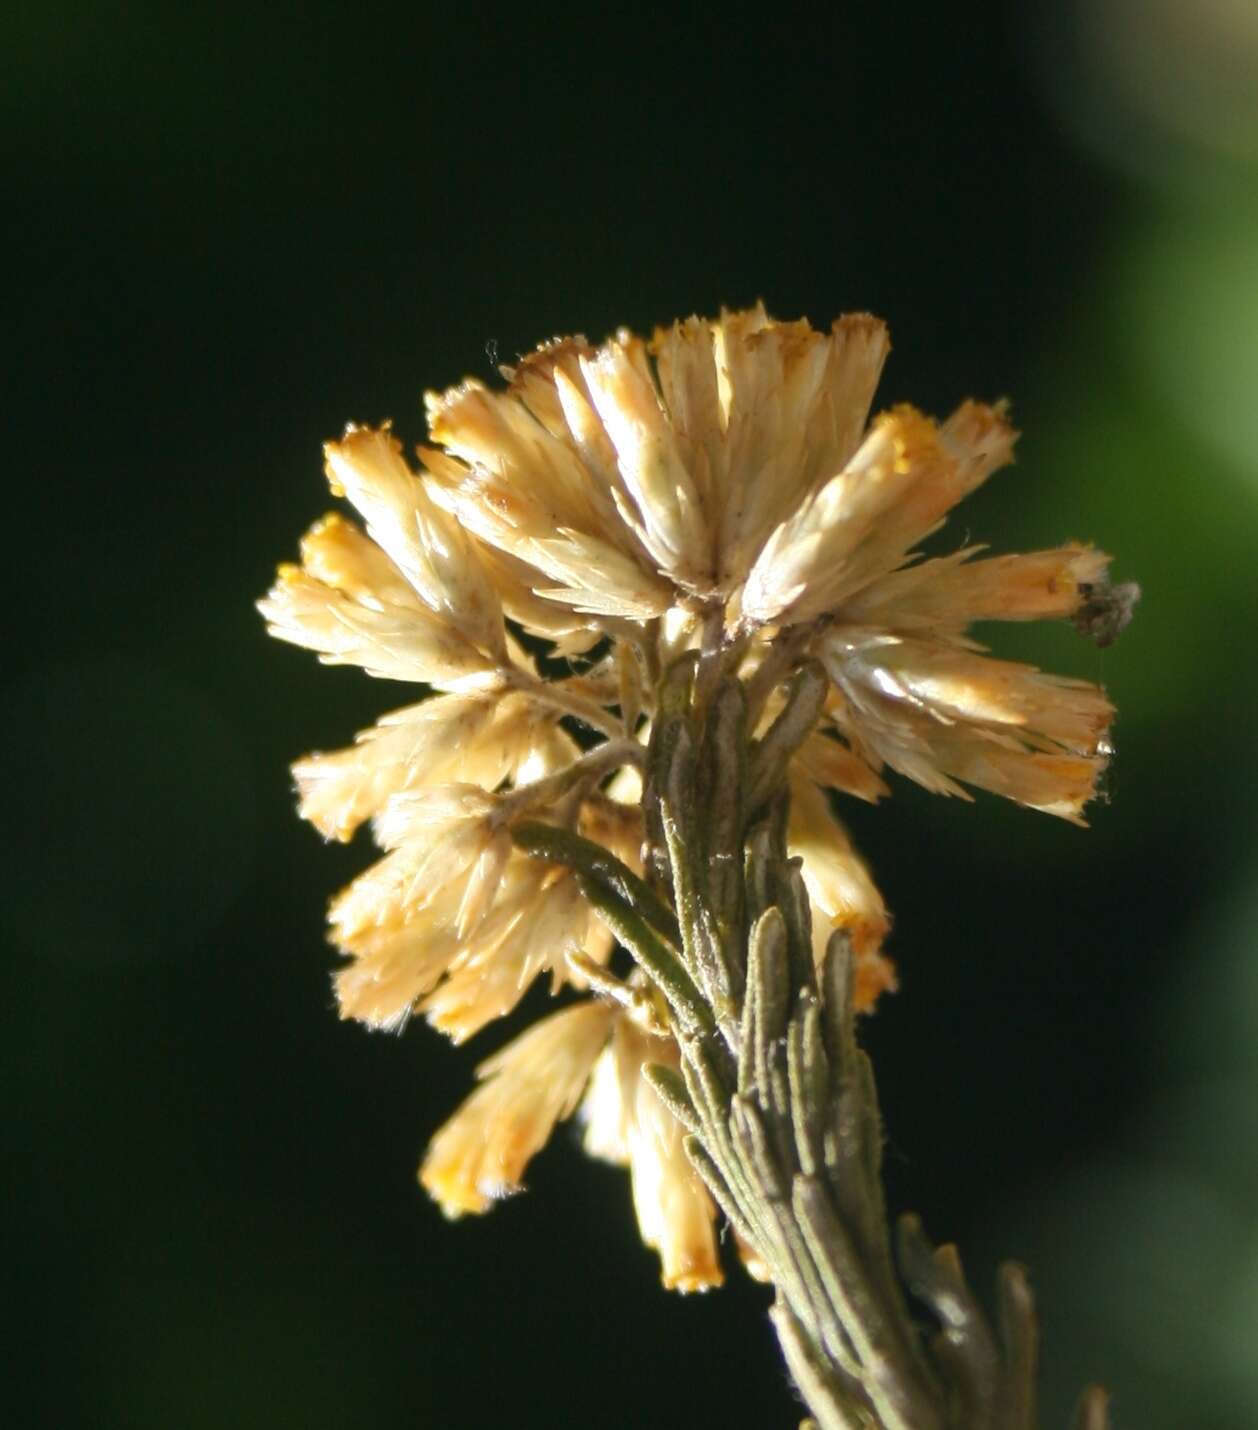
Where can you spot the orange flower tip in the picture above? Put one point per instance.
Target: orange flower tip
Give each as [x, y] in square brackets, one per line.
[754, 1265]
[986, 426]
[329, 523]
[545, 355]
[459, 1193]
[330, 452]
[915, 438]
[862, 325]
[449, 1024]
[679, 327]
[874, 975]
[757, 1269]
[456, 1198]
[353, 1011]
[333, 830]
[358, 432]
[439, 405]
[693, 1276]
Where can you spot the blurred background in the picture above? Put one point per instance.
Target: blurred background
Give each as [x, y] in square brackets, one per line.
[230, 229]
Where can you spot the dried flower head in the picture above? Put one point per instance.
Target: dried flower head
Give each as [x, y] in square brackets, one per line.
[563, 542]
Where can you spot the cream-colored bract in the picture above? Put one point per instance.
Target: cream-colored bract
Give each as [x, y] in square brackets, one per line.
[626, 1123]
[480, 1154]
[606, 509]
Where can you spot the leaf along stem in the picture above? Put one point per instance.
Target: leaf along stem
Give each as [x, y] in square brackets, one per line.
[776, 1097]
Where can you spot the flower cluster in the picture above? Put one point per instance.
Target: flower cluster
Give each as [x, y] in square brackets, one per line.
[560, 544]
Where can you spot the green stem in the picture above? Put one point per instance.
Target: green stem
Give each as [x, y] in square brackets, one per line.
[776, 1097]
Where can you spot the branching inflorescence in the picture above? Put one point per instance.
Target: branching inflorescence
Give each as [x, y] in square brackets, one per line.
[663, 599]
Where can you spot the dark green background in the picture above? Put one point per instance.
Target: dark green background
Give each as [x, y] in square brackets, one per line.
[229, 232]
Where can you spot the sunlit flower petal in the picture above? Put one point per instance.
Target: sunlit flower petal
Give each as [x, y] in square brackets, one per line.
[335, 552]
[952, 591]
[895, 490]
[796, 402]
[394, 642]
[937, 713]
[471, 739]
[424, 543]
[532, 930]
[436, 841]
[669, 519]
[830, 763]
[842, 893]
[479, 1156]
[627, 1123]
[520, 489]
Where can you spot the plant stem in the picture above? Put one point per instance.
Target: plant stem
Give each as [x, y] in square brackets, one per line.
[776, 1096]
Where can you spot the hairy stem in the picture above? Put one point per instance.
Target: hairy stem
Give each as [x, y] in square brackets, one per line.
[777, 1099]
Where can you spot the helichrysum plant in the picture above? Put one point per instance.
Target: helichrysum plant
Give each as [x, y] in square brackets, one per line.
[663, 608]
